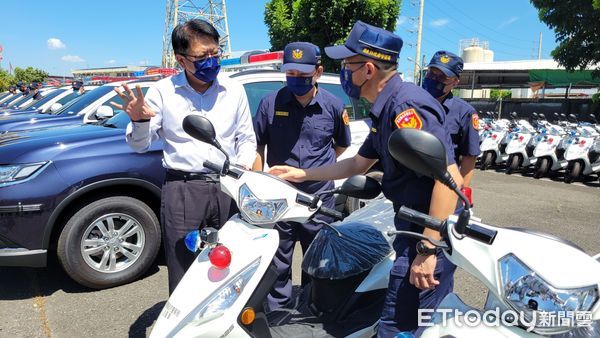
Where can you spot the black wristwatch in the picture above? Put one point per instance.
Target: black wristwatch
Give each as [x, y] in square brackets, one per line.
[424, 250]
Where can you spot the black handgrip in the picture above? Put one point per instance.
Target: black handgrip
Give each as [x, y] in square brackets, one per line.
[419, 218]
[214, 167]
[331, 213]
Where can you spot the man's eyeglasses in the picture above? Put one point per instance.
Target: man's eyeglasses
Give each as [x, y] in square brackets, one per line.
[196, 58]
[345, 63]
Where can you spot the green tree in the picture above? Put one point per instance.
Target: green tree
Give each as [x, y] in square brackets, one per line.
[6, 80]
[576, 24]
[29, 75]
[498, 93]
[325, 23]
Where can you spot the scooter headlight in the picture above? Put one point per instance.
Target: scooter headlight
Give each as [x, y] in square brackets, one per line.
[259, 211]
[552, 310]
[223, 298]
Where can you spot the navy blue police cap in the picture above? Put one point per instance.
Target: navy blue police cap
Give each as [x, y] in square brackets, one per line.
[20, 84]
[449, 63]
[373, 42]
[300, 56]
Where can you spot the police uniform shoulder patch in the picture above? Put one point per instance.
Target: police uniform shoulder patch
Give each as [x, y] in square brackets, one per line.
[408, 119]
[475, 121]
[345, 117]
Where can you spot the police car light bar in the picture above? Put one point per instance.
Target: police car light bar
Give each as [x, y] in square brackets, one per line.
[269, 58]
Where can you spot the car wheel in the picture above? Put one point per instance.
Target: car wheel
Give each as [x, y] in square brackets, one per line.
[109, 242]
[353, 204]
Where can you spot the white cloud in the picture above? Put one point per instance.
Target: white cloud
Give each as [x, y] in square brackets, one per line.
[72, 58]
[509, 21]
[54, 43]
[401, 21]
[439, 22]
[111, 62]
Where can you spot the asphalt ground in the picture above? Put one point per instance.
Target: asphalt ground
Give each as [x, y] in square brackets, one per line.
[46, 303]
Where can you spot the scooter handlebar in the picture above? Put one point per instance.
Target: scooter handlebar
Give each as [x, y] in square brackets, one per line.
[331, 213]
[212, 166]
[420, 218]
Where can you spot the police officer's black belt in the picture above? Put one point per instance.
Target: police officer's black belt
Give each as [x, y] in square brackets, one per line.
[178, 175]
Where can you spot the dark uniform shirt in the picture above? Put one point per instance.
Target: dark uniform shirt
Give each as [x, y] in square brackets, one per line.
[302, 137]
[404, 105]
[462, 124]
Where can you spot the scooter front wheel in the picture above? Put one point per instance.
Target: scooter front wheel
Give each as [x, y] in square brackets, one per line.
[573, 173]
[513, 164]
[542, 168]
[488, 157]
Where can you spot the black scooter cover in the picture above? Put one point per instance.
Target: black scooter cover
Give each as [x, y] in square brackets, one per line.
[355, 247]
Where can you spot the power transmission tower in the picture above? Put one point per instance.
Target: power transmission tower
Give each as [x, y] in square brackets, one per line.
[179, 11]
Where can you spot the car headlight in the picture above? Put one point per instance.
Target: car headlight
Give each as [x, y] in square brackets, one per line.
[259, 211]
[222, 299]
[538, 301]
[19, 172]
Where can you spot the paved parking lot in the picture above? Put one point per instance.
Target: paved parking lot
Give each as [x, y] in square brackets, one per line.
[46, 303]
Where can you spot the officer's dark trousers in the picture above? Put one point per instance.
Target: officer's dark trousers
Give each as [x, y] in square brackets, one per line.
[289, 233]
[400, 312]
[188, 205]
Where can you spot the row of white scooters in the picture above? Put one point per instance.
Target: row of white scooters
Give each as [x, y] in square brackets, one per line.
[565, 145]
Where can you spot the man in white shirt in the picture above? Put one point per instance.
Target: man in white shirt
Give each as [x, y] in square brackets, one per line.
[191, 197]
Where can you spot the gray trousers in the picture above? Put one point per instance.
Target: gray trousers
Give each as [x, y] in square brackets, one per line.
[187, 206]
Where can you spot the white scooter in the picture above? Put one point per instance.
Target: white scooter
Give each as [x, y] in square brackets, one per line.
[223, 292]
[493, 144]
[583, 154]
[546, 151]
[520, 146]
[538, 284]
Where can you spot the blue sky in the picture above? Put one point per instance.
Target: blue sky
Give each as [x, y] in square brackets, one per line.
[62, 35]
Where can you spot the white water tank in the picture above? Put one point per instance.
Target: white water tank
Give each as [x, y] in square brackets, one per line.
[473, 54]
[488, 55]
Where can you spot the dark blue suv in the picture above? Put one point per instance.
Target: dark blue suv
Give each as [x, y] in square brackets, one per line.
[80, 190]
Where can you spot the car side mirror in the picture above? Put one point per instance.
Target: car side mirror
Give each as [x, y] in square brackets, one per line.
[200, 128]
[104, 112]
[55, 107]
[360, 186]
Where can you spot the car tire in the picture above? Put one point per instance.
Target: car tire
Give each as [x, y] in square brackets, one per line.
[94, 257]
[353, 204]
[573, 172]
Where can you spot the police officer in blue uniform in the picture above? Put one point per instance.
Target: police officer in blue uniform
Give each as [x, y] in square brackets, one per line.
[462, 120]
[304, 126]
[421, 276]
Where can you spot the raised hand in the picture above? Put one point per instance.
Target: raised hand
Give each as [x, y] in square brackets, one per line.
[133, 106]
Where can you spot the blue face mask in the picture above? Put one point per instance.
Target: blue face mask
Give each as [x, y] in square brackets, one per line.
[350, 88]
[434, 87]
[207, 69]
[299, 85]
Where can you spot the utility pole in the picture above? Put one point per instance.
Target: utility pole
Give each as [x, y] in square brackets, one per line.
[213, 11]
[419, 32]
[540, 48]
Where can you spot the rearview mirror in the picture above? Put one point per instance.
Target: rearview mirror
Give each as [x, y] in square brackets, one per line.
[55, 107]
[421, 152]
[200, 128]
[361, 186]
[104, 112]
